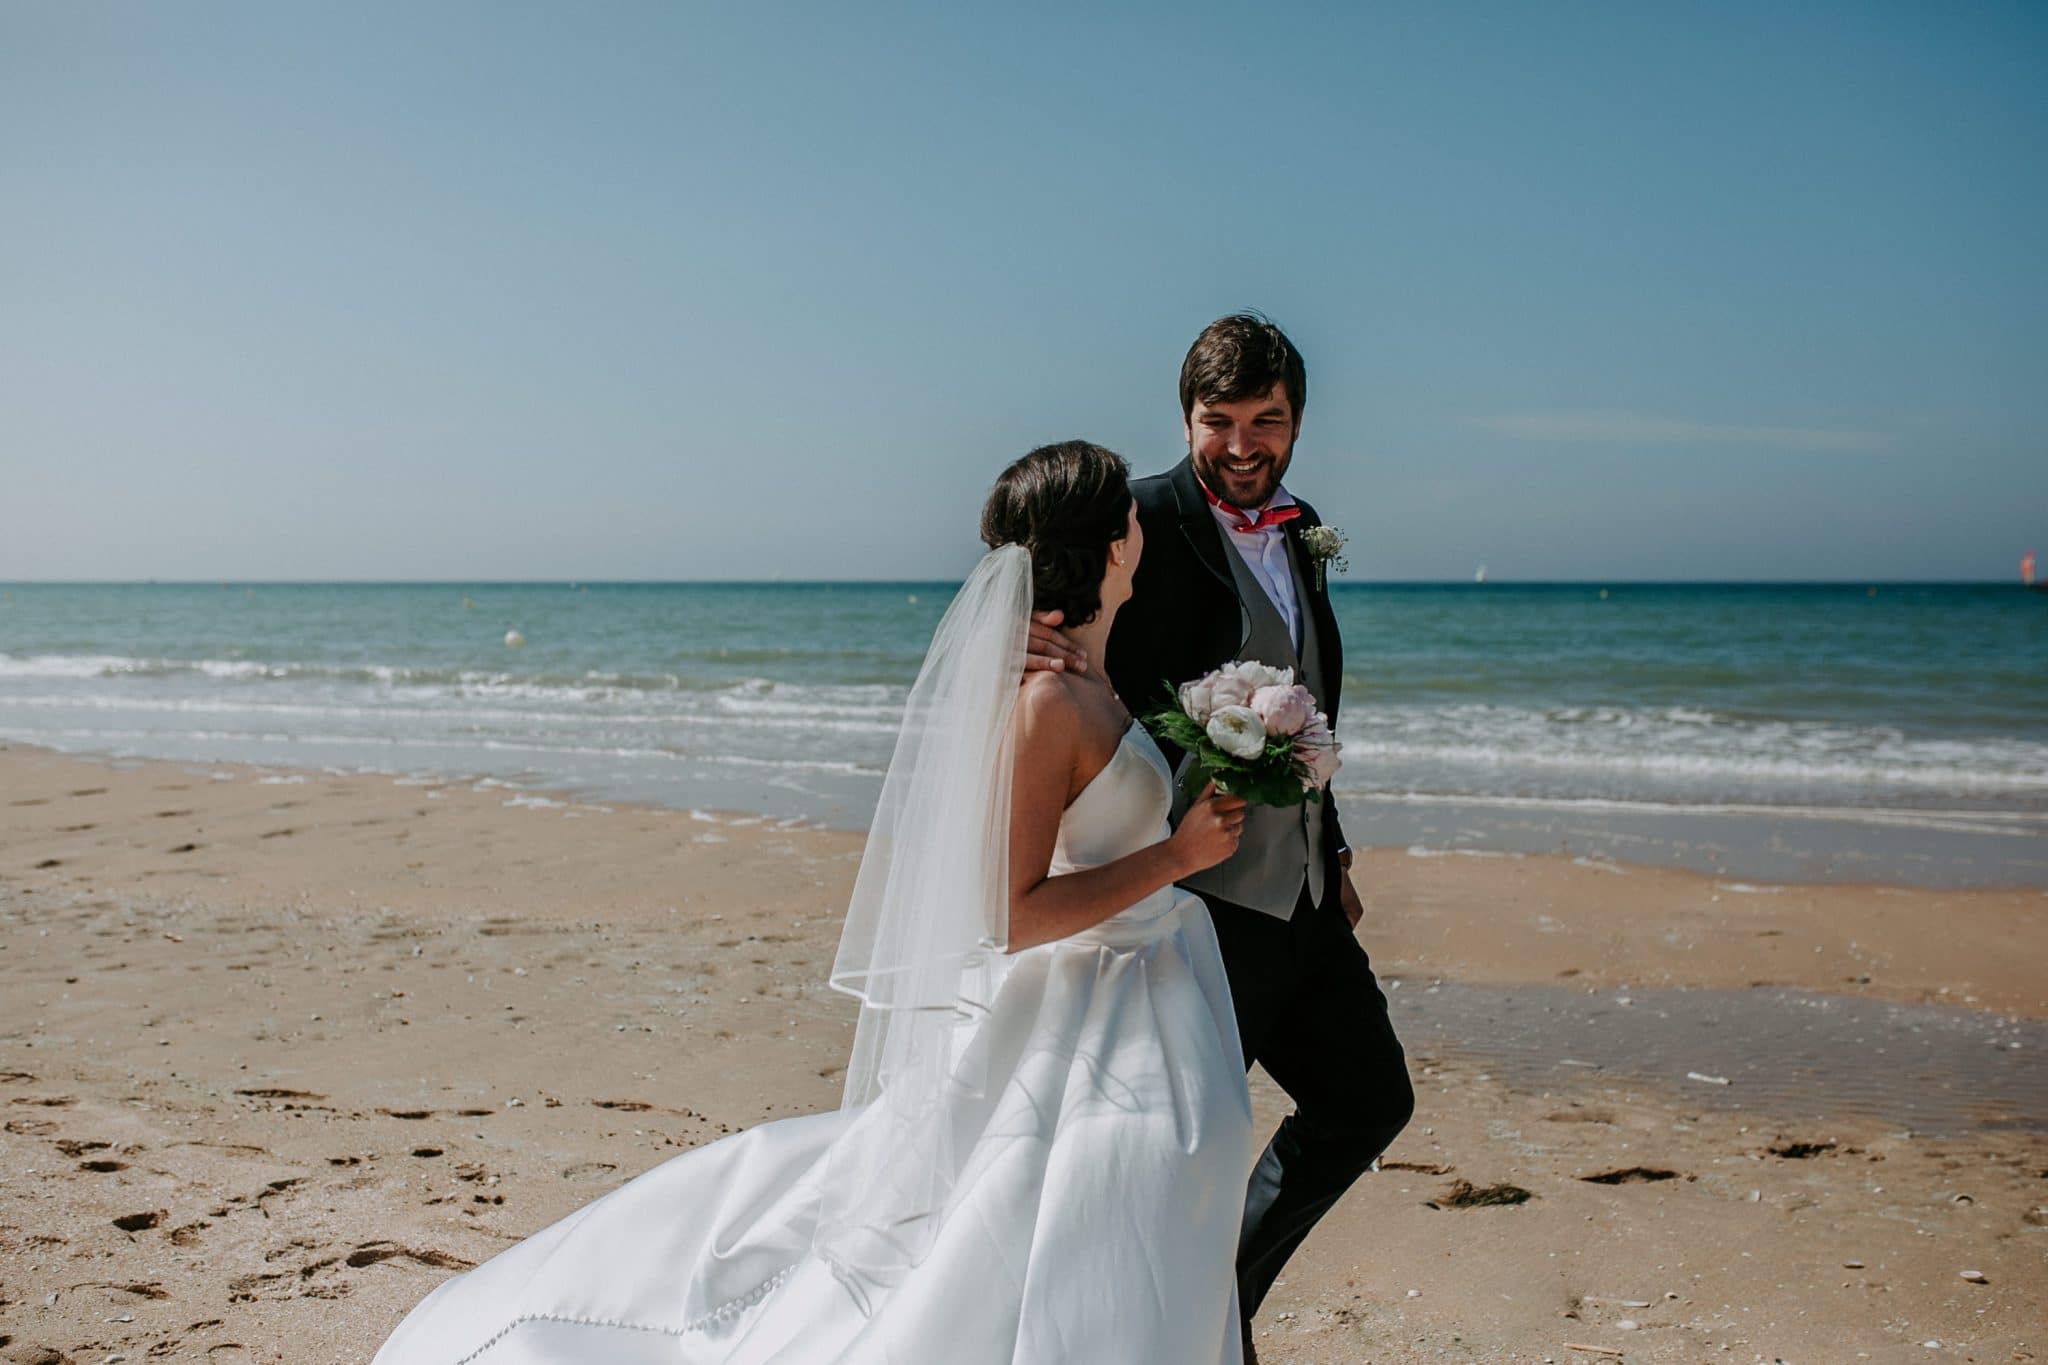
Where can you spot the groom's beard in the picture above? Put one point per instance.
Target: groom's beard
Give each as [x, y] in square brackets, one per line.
[1252, 490]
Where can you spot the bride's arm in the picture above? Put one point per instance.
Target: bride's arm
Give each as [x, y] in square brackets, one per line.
[1045, 907]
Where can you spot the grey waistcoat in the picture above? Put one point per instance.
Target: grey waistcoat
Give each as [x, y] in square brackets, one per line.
[1282, 848]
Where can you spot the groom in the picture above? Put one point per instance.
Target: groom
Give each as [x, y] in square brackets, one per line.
[1225, 576]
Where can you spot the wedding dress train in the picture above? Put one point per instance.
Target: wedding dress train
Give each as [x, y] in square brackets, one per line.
[1096, 1178]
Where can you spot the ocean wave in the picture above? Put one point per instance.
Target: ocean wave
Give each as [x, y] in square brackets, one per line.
[1461, 750]
[2016, 773]
[826, 718]
[1687, 744]
[585, 685]
[2018, 824]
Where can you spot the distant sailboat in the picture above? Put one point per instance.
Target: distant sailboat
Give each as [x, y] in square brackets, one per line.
[1479, 576]
[2027, 573]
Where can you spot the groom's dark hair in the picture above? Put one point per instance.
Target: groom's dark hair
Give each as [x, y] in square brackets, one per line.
[1065, 503]
[1239, 357]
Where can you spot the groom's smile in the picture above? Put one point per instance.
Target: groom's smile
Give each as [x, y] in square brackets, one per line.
[1242, 447]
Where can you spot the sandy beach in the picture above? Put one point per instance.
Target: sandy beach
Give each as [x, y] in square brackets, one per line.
[284, 1049]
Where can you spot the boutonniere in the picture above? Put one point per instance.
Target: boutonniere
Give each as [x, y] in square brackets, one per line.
[1325, 546]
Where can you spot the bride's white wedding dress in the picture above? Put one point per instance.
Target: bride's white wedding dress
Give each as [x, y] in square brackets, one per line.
[1096, 1176]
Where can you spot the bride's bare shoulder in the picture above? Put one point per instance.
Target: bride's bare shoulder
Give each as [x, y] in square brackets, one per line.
[1046, 698]
[1052, 719]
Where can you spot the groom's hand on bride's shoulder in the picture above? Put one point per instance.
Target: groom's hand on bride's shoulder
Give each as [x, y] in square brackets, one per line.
[1050, 648]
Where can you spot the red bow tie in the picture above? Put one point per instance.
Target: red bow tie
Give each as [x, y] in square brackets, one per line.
[1246, 522]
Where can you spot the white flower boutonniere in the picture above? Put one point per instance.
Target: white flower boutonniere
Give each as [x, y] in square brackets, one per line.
[1325, 546]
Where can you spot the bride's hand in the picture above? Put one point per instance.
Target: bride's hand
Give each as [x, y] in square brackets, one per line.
[1049, 647]
[1210, 831]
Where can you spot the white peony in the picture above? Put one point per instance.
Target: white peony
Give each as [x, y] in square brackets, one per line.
[1283, 710]
[1196, 699]
[1237, 731]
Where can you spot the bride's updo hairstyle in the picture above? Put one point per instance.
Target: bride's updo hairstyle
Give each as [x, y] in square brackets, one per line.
[1064, 503]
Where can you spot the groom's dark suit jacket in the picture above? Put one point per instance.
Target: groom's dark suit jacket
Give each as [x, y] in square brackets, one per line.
[1185, 618]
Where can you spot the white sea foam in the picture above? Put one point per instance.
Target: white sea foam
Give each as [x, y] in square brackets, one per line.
[2023, 824]
[1420, 851]
[63, 666]
[818, 745]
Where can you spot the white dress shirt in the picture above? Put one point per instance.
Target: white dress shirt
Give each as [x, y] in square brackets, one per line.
[1265, 553]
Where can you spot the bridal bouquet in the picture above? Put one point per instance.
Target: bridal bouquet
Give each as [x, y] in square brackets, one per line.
[1254, 732]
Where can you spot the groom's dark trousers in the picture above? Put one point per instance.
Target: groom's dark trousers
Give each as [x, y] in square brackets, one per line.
[1308, 1009]
[1310, 1012]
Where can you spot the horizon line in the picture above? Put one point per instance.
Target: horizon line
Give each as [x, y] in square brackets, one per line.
[1491, 582]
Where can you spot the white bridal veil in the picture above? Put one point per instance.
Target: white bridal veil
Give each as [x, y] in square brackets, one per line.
[926, 929]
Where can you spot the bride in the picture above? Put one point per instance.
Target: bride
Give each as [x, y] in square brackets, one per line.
[1042, 1150]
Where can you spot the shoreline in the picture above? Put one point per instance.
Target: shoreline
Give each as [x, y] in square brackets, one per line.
[1467, 915]
[1961, 849]
[279, 1051]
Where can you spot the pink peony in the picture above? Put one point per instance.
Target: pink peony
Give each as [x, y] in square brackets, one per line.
[1284, 709]
[1197, 699]
[1228, 689]
[1317, 748]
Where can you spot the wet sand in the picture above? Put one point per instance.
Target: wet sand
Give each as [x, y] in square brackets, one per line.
[279, 1051]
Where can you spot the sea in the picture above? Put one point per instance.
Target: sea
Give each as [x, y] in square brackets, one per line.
[1882, 732]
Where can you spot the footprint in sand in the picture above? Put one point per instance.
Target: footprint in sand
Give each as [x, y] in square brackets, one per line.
[186, 848]
[370, 1253]
[1802, 1151]
[242, 1289]
[26, 1354]
[1463, 1194]
[138, 1222]
[1631, 1175]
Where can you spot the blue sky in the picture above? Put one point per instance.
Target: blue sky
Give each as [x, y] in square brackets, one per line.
[661, 291]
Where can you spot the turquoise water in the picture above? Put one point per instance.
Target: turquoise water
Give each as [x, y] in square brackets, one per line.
[783, 697]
